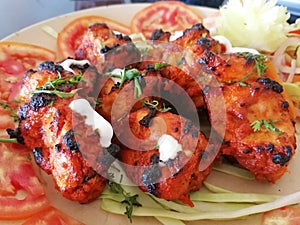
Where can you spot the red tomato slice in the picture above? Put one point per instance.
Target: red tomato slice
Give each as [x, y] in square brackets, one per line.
[15, 59]
[294, 32]
[70, 36]
[289, 215]
[50, 217]
[21, 193]
[166, 15]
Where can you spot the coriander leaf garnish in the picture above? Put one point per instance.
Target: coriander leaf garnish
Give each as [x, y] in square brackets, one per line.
[15, 101]
[260, 61]
[158, 66]
[9, 140]
[129, 200]
[256, 125]
[60, 94]
[270, 125]
[242, 81]
[135, 76]
[98, 102]
[267, 124]
[154, 105]
[4, 105]
[54, 84]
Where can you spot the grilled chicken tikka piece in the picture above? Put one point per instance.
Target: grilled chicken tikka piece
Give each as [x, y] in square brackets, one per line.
[172, 179]
[63, 145]
[245, 86]
[105, 49]
[204, 60]
[252, 94]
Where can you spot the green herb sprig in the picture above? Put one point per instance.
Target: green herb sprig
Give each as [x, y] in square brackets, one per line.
[260, 61]
[267, 124]
[155, 105]
[9, 140]
[129, 200]
[136, 76]
[241, 82]
[158, 66]
[60, 94]
[54, 84]
[127, 75]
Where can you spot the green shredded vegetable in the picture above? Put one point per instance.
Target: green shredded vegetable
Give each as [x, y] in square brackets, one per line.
[232, 197]
[214, 188]
[293, 91]
[210, 203]
[234, 171]
[115, 207]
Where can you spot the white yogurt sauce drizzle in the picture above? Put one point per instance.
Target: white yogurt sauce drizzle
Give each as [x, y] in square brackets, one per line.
[66, 64]
[92, 118]
[168, 147]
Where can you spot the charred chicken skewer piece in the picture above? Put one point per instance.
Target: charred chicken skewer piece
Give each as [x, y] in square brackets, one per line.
[105, 49]
[259, 130]
[259, 127]
[206, 61]
[161, 153]
[60, 132]
[257, 118]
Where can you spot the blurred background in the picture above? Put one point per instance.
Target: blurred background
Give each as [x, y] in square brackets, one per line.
[17, 14]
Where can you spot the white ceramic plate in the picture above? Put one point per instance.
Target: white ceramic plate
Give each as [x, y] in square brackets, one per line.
[91, 214]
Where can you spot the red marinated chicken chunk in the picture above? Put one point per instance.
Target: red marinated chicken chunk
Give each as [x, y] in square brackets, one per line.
[63, 145]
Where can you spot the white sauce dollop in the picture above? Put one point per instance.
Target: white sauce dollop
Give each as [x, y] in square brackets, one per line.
[240, 49]
[168, 147]
[66, 64]
[176, 35]
[92, 118]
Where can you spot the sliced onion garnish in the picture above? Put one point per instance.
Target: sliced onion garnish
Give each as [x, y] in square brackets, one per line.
[279, 60]
[292, 71]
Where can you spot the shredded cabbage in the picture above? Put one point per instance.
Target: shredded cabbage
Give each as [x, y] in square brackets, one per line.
[214, 210]
[293, 91]
[211, 202]
[258, 24]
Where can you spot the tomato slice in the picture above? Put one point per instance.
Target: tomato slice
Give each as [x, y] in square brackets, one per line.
[21, 193]
[52, 216]
[289, 215]
[15, 59]
[71, 35]
[166, 15]
[294, 33]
